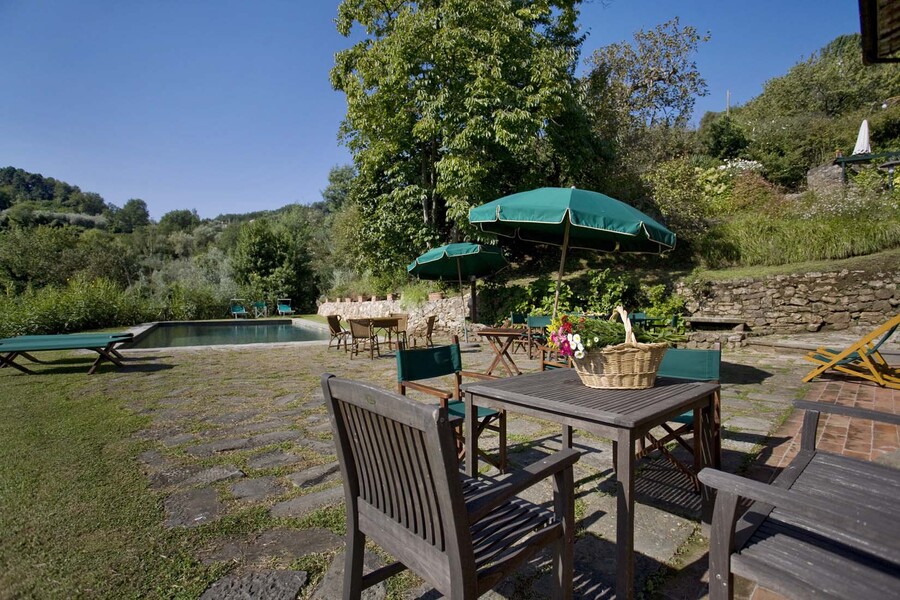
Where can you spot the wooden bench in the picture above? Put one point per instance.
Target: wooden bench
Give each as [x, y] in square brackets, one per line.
[735, 324]
[827, 526]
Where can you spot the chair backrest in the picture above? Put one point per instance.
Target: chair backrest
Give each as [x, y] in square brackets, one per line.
[401, 480]
[334, 324]
[538, 321]
[640, 316]
[429, 325]
[695, 365]
[237, 307]
[402, 321]
[360, 329]
[887, 335]
[425, 363]
[516, 319]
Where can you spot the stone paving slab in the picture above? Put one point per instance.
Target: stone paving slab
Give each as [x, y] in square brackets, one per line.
[303, 505]
[257, 489]
[273, 459]
[315, 475]
[192, 508]
[287, 545]
[271, 585]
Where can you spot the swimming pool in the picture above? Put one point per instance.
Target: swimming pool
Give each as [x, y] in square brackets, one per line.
[215, 333]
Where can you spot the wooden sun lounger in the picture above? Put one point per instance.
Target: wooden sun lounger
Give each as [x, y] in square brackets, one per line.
[861, 359]
[24, 346]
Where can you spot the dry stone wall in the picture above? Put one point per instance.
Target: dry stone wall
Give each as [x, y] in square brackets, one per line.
[804, 302]
[447, 310]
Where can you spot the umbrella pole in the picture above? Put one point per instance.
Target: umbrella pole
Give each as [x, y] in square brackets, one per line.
[462, 299]
[562, 266]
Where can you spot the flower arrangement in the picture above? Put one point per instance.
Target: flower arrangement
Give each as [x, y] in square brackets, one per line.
[575, 336]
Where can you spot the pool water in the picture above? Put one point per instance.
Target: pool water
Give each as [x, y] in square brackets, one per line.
[169, 335]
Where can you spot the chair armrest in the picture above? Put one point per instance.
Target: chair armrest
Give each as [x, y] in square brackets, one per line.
[484, 502]
[475, 375]
[849, 411]
[839, 521]
[427, 389]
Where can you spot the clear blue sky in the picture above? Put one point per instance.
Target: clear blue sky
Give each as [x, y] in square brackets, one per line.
[225, 105]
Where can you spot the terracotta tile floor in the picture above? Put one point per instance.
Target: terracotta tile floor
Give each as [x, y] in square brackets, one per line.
[837, 433]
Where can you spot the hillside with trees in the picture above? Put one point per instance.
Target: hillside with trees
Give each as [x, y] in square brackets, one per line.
[453, 104]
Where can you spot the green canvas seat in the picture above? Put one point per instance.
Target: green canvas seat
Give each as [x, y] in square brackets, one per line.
[685, 365]
[417, 364]
[284, 307]
[238, 310]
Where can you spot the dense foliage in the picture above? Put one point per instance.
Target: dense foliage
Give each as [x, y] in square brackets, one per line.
[453, 103]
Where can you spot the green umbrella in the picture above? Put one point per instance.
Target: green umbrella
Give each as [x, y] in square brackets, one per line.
[570, 217]
[458, 261]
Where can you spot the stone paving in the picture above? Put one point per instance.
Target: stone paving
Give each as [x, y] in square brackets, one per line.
[259, 437]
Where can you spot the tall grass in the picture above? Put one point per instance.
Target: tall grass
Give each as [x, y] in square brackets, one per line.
[759, 240]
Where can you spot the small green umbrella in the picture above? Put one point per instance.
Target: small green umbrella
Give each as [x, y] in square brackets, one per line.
[570, 217]
[458, 261]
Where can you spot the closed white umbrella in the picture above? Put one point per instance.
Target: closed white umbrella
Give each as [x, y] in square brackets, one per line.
[862, 140]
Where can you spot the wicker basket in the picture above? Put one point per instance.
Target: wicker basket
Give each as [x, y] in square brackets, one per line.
[630, 365]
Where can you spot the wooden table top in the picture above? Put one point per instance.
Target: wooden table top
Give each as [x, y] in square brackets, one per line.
[560, 391]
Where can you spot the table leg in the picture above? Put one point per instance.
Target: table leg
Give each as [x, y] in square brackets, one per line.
[706, 453]
[471, 440]
[625, 515]
[511, 368]
[566, 437]
[497, 356]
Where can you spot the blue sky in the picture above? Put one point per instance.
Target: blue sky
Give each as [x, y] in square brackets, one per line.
[225, 105]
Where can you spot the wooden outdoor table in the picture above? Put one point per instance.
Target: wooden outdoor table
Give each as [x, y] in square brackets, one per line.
[623, 416]
[501, 339]
[387, 325]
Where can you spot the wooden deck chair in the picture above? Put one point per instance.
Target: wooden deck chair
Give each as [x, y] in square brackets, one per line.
[860, 359]
[414, 365]
[536, 331]
[238, 310]
[338, 333]
[284, 307]
[686, 365]
[362, 336]
[403, 489]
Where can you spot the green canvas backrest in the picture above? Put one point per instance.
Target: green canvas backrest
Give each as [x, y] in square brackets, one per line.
[539, 320]
[637, 315]
[696, 365]
[517, 318]
[426, 363]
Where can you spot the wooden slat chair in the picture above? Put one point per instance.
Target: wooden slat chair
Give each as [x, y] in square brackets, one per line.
[403, 489]
[417, 364]
[860, 359]
[536, 331]
[687, 365]
[362, 336]
[825, 528]
[338, 333]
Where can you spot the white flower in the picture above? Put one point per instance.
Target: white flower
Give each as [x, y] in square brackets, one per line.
[579, 347]
[596, 340]
[579, 354]
[576, 338]
[569, 337]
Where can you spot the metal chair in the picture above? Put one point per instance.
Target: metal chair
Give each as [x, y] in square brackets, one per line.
[417, 364]
[403, 489]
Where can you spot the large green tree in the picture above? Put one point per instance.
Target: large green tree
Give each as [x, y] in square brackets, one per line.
[451, 103]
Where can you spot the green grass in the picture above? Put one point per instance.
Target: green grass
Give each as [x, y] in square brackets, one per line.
[316, 318]
[77, 517]
[886, 258]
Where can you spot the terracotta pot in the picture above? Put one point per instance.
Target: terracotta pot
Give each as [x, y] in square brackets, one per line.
[390, 297]
[435, 296]
[360, 298]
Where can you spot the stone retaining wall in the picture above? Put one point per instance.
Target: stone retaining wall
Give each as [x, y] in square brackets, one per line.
[447, 310]
[796, 303]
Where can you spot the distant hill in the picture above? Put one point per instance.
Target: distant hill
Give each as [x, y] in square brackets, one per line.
[18, 186]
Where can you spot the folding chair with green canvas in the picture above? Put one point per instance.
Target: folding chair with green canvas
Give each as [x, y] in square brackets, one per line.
[685, 365]
[284, 307]
[861, 359]
[414, 365]
[260, 309]
[238, 309]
